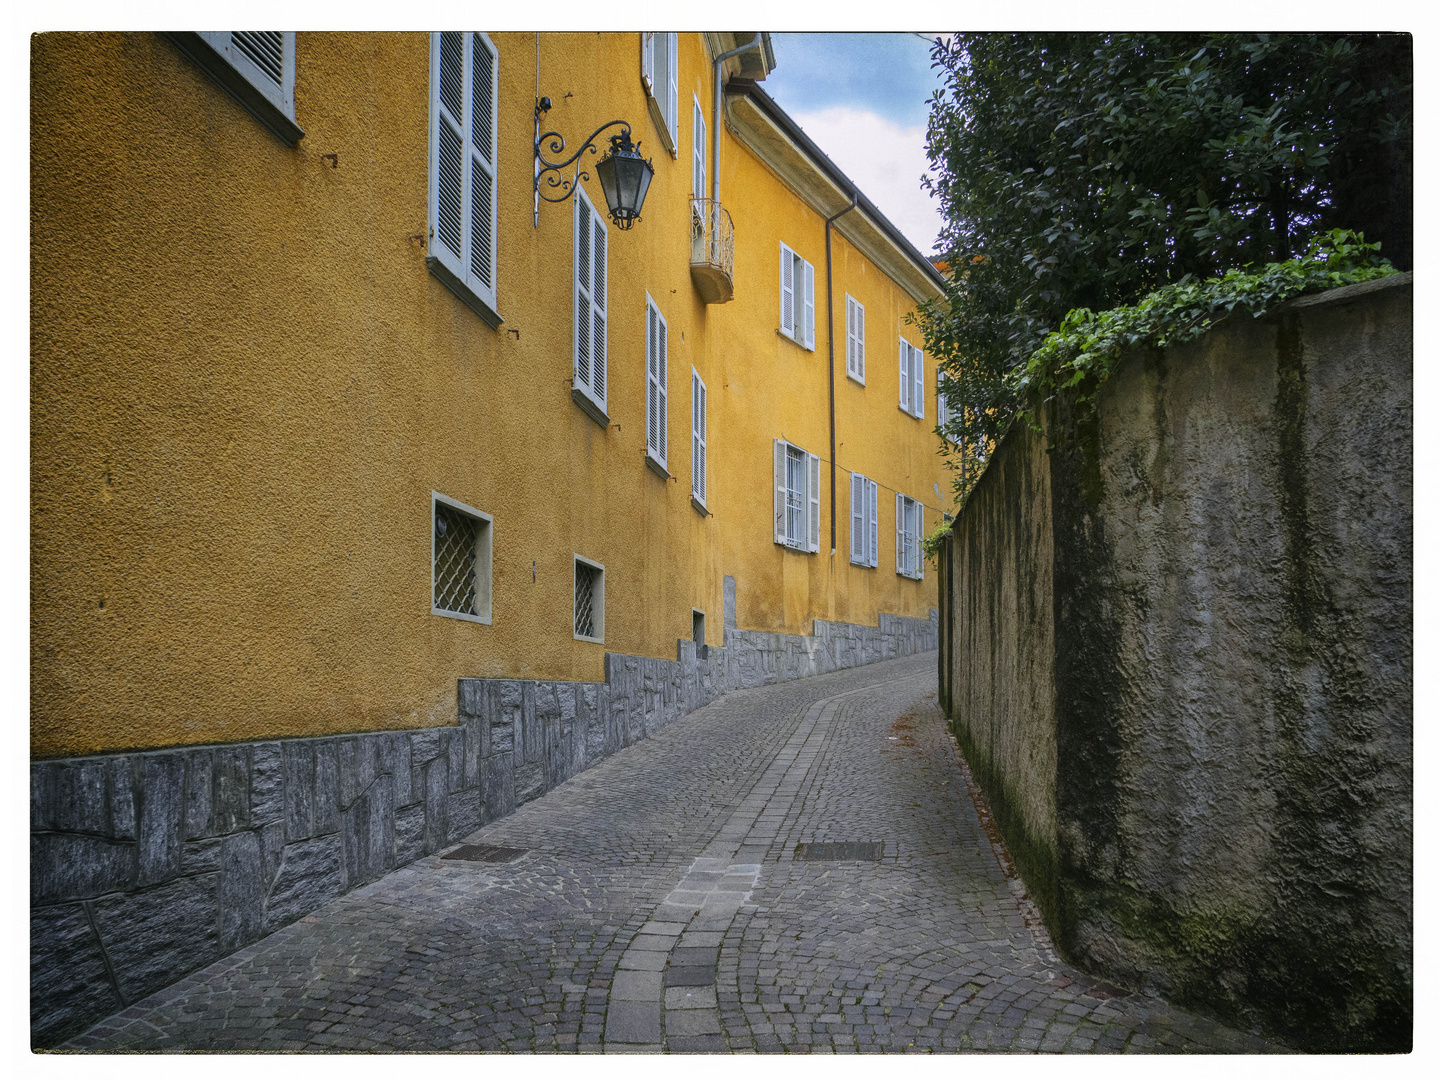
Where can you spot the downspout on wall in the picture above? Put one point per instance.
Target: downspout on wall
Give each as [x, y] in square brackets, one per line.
[830, 336]
[718, 121]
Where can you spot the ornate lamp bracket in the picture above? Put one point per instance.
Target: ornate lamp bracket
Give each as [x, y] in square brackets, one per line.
[558, 187]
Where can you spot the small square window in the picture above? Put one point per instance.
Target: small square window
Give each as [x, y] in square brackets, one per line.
[589, 600]
[460, 548]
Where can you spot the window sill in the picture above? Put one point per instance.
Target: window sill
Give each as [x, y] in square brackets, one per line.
[860, 379]
[591, 410]
[463, 293]
[699, 507]
[592, 640]
[484, 620]
[237, 86]
[795, 341]
[657, 468]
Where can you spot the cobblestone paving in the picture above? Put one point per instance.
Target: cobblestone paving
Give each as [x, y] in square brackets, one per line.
[661, 906]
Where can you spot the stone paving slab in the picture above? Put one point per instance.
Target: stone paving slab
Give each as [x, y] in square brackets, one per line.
[661, 907]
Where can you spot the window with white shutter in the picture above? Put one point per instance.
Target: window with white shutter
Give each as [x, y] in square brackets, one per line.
[944, 413]
[464, 91]
[874, 522]
[698, 439]
[797, 497]
[912, 380]
[904, 375]
[660, 75]
[797, 298]
[698, 178]
[909, 524]
[864, 533]
[255, 67]
[591, 244]
[657, 385]
[854, 339]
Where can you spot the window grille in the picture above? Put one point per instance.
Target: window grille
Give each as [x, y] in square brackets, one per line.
[455, 536]
[589, 600]
[794, 496]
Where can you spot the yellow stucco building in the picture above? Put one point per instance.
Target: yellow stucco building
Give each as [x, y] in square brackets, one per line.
[339, 426]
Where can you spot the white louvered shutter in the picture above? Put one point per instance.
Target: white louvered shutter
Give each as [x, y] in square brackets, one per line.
[857, 519]
[899, 533]
[809, 306]
[697, 143]
[874, 522]
[697, 436]
[704, 443]
[672, 99]
[266, 58]
[464, 89]
[787, 291]
[917, 382]
[663, 353]
[780, 491]
[590, 299]
[812, 501]
[918, 568]
[855, 338]
[849, 336]
[652, 379]
[647, 62]
[904, 375]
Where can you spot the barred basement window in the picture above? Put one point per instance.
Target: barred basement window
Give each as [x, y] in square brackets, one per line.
[460, 550]
[589, 600]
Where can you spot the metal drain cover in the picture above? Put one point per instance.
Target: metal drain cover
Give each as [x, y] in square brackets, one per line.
[839, 851]
[484, 853]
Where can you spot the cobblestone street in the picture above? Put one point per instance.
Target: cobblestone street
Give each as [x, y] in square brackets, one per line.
[664, 902]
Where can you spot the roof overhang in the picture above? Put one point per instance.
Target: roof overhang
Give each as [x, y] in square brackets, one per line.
[752, 64]
[765, 128]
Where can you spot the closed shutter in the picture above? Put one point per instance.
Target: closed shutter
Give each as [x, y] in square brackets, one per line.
[809, 314]
[698, 178]
[857, 519]
[780, 491]
[647, 62]
[663, 352]
[590, 299]
[918, 567]
[266, 59]
[464, 89]
[697, 436]
[787, 291]
[672, 93]
[812, 493]
[704, 444]
[849, 336]
[917, 382]
[904, 375]
[855, 338]
[874, 522]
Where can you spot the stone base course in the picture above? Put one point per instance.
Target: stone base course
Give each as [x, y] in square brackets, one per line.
[147, 866]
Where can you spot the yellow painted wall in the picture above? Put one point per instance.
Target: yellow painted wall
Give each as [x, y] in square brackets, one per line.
[245, 384]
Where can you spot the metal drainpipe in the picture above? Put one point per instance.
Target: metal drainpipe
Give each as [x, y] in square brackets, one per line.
[830, 336]
[715, 135]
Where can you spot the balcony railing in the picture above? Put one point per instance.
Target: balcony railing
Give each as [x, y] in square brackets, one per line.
[712, 251]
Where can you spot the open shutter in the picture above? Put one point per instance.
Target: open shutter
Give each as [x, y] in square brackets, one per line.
[704, 441]
[464, 88]
[447, 160]
[598, 299]
[787, 291]
[849, 336]
[484, 81]
[697, 436]
[583, 307]
[698, 177]
[918, 566]
[899, 533]
[812, 493]
[860, 341]
[904, 375]
[917, 382]
[874, 522]
[780, 491]
[809, 306]
[647, 62]
[672, 101]
[857, 518]
[662, 352]
[652, 377]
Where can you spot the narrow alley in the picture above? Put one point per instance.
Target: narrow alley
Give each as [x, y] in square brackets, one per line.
[794, 868]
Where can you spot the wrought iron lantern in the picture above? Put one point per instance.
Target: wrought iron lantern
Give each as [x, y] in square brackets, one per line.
[624, 174]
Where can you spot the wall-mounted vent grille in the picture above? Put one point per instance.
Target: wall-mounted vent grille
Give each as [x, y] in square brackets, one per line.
[587, 583]
[455, 536]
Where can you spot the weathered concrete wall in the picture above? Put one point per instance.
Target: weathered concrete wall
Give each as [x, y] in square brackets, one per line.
[1204, 758]
[147, 866]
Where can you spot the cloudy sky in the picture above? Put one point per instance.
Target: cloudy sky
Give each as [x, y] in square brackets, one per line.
[864, 99]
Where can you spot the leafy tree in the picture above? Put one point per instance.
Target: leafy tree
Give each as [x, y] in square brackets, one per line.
[1085, 171]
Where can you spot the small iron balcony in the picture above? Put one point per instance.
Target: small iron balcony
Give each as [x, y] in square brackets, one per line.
[712, 251]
